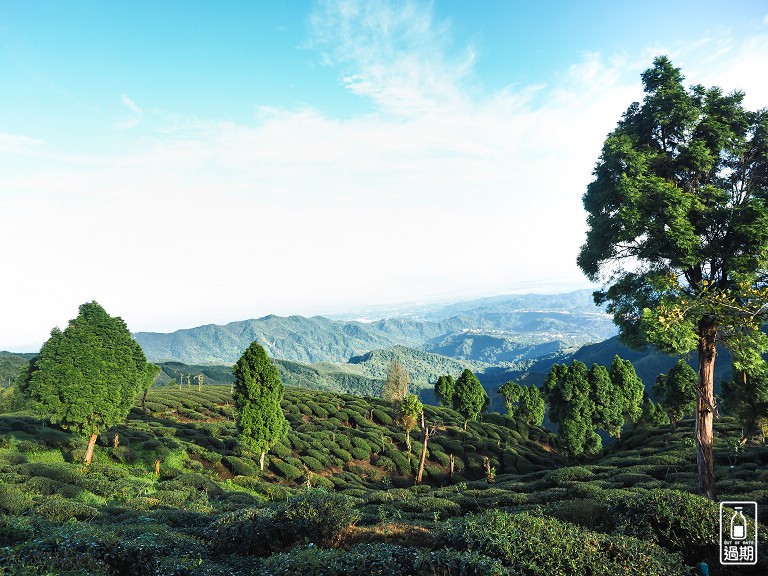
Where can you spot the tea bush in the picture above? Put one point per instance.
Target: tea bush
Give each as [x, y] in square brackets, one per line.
[542, 546]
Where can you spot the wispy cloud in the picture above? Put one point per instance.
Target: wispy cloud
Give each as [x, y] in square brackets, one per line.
[18, 144]
[136, 114]
[393, 53]
[445, 189]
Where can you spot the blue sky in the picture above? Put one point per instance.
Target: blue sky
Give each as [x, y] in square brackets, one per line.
[201, 162]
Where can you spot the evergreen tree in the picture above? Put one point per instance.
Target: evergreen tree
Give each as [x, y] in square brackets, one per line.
[258, 392]
[87, 377]
[396, 385]
[745, 397]
[531, 406]
[469, 397]
[630, 386]
[676, 391]
[653, 414]
[512, 392]
[445, 389]
[678, 229]
[608, 401]
[568, 393]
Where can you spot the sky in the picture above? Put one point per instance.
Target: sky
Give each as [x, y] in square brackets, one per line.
[194, 162]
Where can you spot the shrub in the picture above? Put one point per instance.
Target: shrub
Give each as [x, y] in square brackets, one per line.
[61, 510]
[287, 471]
[312, 463]
[314, 516]
[14, 500]
[240, 466]
[679, 521]
[376, 559]
[541, 546]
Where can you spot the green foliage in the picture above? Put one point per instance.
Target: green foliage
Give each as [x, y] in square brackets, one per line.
[682, 522]
[745, 396]
[678, 227]
[676, 391]
[630, 386]
[258, 392]
[571, 407]
[512, 392]
[531, 406]
[653, 414]
[314, 516]
[379, 558]
[469, 398]
[445, 387]
[534, 545]
[86, 377]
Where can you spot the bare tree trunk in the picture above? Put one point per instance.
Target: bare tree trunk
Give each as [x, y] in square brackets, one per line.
[261, 460]
[157, 467]
[451, 463]
[144, 401]
[423, 460]
[705, 408]
[89, 450]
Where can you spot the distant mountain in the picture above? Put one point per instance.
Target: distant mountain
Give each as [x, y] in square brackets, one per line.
[294, 338]
[496, 347]
[10, 364]
[569, 320]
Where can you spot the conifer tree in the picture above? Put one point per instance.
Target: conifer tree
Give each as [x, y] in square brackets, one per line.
[469, 398]
[512, 391]
[678, 230]
[87, 377]
[445, 387]
[531, 405]
[258, 392]
[676, 391]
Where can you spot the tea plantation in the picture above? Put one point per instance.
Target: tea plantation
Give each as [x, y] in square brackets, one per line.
[338, 495]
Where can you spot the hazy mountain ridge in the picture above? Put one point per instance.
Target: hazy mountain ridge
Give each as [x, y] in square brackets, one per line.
[573, 321]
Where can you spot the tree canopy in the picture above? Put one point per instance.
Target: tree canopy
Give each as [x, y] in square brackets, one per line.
[676, 391]
[258, 392]
[678, 229]
[87, 377]
[445, 387]
[469, 398]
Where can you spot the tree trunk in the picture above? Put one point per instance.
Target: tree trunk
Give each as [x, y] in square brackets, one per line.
[423, 460]
[261, 460]
[89, 450]
[144, 402]
[705, 408]
[451, 463]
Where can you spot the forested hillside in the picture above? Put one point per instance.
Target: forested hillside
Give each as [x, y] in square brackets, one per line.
[522, 322]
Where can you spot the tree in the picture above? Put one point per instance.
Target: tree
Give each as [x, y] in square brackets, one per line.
[86, 377]
[531, 406]
[678, 229]
[676, 391]
[512, 392]
[745, 397]
[653, 414]
[445, 388]
[411, 409]
[396, 385]
[469, 398]
[607, 401]
[258, 392]
[630, 386]
[148, 377]
[568, 393]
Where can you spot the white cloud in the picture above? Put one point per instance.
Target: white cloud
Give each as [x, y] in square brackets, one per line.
[439, 192]
[136, 114]
[18, 144]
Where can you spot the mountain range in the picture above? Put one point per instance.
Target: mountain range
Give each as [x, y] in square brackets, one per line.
[493, 330]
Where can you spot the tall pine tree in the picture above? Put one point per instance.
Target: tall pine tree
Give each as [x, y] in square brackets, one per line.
[258, 392]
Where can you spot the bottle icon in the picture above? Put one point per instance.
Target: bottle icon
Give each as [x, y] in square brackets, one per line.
[738, 525]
